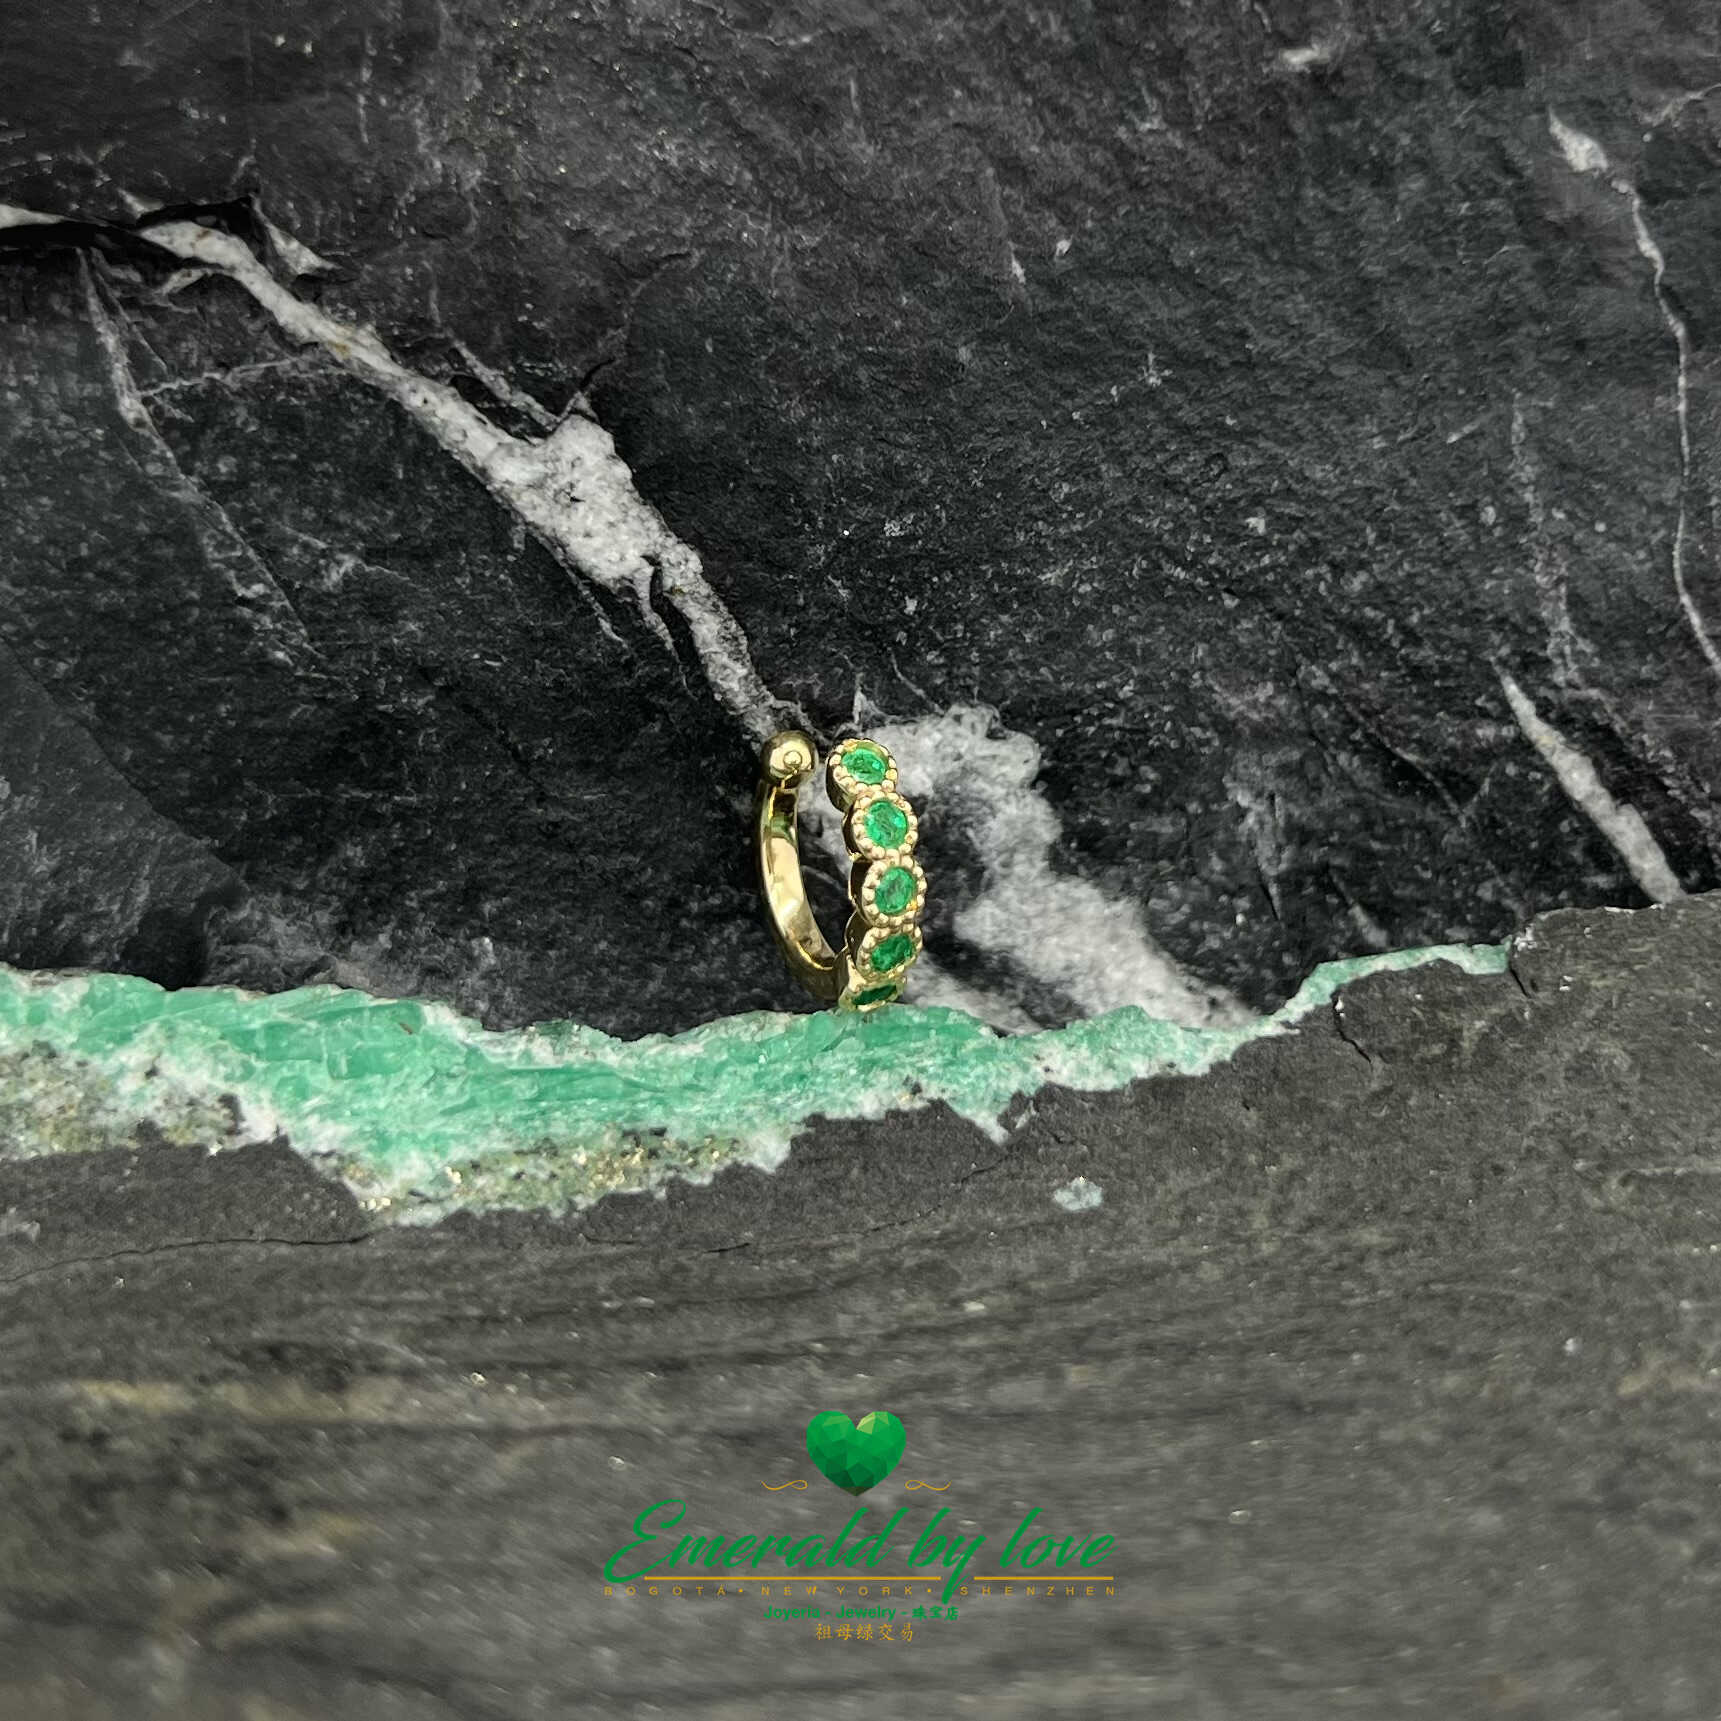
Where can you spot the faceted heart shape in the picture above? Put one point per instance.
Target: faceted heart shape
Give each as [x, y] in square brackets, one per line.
[856, 1455]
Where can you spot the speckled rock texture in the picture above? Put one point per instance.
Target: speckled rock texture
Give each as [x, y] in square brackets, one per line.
[1219, 405]
[1387, 1352]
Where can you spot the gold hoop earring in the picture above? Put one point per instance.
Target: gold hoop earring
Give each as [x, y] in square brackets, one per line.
[887, 888]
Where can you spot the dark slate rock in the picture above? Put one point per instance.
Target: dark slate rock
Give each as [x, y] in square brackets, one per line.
[1226, 397]
[1387, 1354]
[91, 876]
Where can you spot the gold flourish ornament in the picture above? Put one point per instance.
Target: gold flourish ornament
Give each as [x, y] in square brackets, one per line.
[887, 888]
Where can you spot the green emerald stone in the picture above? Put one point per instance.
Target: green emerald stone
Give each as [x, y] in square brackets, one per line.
[875, 995]
[865, 764]
[895, 890]
[892, 952]
[886, 823]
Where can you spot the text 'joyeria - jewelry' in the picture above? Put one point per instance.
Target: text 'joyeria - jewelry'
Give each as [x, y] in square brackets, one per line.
[887, 889]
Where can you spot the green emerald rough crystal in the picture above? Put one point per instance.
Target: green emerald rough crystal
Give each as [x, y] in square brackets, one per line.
[886, 823]
[392, 1096]
[895, 890]
[892, 952]
[865, 764]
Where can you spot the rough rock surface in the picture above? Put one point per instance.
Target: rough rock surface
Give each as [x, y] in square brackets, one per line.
[1388, 1354]
[1231, 399]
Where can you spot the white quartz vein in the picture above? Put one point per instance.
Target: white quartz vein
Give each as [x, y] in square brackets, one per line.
[233, 375]
[1546, 566]
[1584, 155]
[1060, 930]
[228, 552]
[571, 488]
[14, 215]
[1618, 821]
[1676, 105]
[1569, 650]
[294, 252]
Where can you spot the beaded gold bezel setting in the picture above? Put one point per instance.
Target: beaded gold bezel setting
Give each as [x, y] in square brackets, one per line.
[881, 830]
[887, 886]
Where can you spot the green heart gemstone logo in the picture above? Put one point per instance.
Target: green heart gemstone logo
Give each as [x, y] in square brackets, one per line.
[856, 1455]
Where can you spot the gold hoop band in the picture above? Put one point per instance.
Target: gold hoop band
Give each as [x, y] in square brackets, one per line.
[887, 889]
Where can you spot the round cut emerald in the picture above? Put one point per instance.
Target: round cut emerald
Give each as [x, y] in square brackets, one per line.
[895, 890]
[875, 995]
[886, 823]
[892, 952]
[865, 764]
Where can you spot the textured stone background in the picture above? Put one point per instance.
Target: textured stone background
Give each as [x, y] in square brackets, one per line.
[1224, 397]
[1241, 455]
[1389, 1354]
